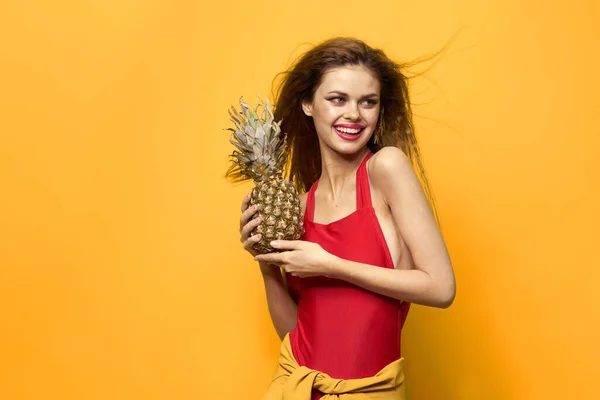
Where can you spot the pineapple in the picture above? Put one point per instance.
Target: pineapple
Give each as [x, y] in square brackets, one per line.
[260, 156]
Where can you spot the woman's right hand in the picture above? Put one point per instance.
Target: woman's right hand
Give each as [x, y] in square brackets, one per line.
[247, 226]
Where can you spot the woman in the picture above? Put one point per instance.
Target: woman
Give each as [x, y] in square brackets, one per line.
[371, 245]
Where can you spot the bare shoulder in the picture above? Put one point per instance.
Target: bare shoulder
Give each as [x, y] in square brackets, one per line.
[303, 198]
[389, 165]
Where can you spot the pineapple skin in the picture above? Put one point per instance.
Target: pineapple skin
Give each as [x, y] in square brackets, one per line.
[279, 207]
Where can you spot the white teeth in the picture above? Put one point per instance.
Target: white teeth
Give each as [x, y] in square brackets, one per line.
[347, 130]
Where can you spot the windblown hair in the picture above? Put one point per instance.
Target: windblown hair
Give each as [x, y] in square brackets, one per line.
[298, 84]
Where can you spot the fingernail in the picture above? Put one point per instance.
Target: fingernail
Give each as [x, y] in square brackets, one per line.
[274, 243]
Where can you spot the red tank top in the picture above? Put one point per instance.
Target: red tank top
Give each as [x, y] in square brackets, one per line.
[344, 330]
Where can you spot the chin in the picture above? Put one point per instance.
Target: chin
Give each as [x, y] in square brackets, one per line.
[349, 148]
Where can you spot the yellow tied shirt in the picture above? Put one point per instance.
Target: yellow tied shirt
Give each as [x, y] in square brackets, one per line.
[293, 382]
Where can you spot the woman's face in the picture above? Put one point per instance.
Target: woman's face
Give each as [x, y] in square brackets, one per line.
[345, 108]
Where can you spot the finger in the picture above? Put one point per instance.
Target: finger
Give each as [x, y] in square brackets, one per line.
[245, 202]
[287, 244]
[273, 258]
[246, 215]
[249, 227]
[251, 241]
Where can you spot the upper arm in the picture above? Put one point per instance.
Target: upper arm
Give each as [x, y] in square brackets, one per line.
[393, 176]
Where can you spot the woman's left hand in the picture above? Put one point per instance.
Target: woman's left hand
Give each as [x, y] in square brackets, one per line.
[300, 258]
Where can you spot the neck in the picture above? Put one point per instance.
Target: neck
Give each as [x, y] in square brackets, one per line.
[337, 169]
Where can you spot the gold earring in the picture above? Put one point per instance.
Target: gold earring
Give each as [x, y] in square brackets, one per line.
[380, 128]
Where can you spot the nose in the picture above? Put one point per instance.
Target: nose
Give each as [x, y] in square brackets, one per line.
[352, 112]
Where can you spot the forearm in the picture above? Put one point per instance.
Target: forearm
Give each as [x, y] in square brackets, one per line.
[282, 308]
[414, 286]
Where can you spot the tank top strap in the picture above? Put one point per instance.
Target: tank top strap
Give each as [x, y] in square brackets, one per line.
[309, 212]
[363, 191]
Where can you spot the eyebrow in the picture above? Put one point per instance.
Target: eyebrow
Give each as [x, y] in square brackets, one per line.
[346, 94]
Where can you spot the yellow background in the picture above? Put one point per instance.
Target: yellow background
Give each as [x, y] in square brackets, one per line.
[122, 276]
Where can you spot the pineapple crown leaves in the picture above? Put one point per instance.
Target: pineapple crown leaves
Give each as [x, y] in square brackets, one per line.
[261, 149]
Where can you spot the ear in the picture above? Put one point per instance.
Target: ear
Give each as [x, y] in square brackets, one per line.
[307, 108]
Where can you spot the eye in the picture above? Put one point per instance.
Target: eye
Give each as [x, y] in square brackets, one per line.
[337, 100]
[370, 102]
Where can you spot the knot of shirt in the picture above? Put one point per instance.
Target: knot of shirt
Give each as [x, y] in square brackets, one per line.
[294, 382]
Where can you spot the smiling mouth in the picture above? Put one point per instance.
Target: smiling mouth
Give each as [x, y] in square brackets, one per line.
[348, 133]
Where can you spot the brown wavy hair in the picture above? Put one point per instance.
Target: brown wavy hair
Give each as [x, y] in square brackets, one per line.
[298, 84]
